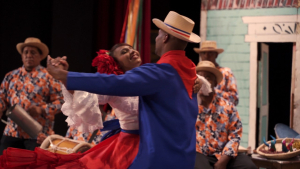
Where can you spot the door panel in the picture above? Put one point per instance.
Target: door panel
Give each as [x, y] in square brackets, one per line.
[263, 92]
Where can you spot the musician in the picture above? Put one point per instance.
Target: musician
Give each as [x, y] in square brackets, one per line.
[35, 90]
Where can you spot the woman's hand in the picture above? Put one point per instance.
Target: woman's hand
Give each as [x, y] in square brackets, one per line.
[61, 62]
[56, 72]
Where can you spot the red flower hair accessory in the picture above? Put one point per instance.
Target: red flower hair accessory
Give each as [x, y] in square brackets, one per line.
[106, 64]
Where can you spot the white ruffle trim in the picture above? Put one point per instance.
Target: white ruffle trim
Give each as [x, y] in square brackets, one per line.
[82, 109]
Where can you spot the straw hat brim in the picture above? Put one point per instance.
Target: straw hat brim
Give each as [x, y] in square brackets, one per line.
[212, 70]
[193, 37]
[198, 50]
[41, 46]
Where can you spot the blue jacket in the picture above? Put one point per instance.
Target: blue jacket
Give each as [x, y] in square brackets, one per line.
[167, 113]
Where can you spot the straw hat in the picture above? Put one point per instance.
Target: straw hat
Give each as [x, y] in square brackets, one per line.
[179, 26]
[35, 42]
[209, 46]
[210, 67]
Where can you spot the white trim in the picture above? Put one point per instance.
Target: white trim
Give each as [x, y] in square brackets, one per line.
[296, 120]
[252, 94]
[293, 85]
[203, 27]
[271, 38]
[270, 19]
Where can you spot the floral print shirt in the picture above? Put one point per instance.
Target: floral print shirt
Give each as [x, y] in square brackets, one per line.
[218, 129]
[77, 135]
[38, 88]
[227, 88]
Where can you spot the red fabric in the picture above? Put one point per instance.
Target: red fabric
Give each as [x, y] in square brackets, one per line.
[118, 151]
[183, 65]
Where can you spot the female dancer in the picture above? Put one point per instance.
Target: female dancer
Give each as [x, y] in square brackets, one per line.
[117, 151]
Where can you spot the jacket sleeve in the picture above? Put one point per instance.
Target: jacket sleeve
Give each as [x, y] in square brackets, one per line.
[140, 81]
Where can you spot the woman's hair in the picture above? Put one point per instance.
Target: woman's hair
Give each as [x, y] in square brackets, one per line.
[112, 50]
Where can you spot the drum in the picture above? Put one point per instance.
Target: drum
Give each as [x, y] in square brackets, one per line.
[62, 145]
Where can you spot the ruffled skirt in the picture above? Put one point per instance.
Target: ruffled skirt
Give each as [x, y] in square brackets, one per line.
[117, 151]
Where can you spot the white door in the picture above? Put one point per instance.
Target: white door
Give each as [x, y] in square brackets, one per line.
[263, 92]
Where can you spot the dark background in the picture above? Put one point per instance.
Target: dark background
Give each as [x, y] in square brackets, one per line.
[75, 28]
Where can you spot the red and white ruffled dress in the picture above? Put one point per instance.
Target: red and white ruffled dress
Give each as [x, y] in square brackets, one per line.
[82, 109]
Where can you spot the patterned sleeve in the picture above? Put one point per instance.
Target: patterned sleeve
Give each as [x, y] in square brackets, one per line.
[234, 132]
[3, 92]
[229, 91]
[56, 98]
[69, 133]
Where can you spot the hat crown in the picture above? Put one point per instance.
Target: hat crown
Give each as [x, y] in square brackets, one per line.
[209, 45]
[180, 22]
[32, 40]
[206, 63]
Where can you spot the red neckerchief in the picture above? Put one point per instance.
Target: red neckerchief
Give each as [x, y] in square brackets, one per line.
[183, 65]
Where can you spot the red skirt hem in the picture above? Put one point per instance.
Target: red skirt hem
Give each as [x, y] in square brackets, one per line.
[118, 151]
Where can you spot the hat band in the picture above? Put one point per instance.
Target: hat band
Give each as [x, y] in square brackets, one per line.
[178, 31]
[207, 48]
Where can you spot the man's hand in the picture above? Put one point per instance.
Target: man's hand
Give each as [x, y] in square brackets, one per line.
[197, 86]
[56, 72]
[222, 162]
[40, 138]
[61, 62]
[35, 111]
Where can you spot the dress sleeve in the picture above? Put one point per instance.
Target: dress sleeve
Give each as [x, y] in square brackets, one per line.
[83, 111]
[103, 99]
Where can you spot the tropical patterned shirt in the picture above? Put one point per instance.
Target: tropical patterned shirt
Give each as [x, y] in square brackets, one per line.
[77, 135]
[37, 88]
[227, 88]
[218, 129]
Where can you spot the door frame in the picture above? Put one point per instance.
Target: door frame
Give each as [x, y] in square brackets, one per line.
[254, 36]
